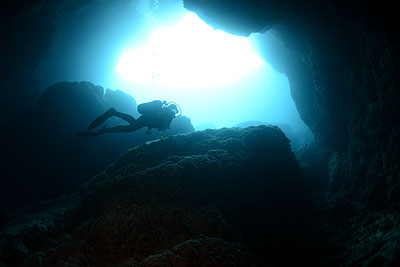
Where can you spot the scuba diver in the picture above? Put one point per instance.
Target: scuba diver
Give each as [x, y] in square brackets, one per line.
[155, 114]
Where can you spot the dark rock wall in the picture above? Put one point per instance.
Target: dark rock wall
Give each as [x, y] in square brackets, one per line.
[24, 43]
[342, 63]
[27, 29]
[227, 197]
[370, 169]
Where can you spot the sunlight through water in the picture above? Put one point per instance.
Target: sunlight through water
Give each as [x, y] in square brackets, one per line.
[218, 79]
[158, 50]
[189, 54]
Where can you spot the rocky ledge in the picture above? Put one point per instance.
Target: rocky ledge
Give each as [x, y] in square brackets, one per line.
[211, 198]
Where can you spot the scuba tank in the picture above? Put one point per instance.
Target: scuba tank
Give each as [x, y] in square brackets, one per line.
[150, 107]
[159, 114]
[156, 105]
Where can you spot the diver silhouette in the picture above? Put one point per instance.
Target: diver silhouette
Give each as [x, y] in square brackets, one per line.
[155, 114]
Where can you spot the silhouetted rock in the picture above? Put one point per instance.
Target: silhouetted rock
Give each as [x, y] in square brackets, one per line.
[46, 159]
[297, 139]
[204, 251]
[192, 199]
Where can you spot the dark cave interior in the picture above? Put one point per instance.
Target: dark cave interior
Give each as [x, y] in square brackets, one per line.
[225, 197]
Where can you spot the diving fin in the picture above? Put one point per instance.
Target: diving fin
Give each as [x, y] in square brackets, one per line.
[102, 118]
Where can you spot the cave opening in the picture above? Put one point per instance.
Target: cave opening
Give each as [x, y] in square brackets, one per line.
[159, 50]
[248, 195]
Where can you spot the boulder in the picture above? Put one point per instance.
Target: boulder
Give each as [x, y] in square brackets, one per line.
[211, 198]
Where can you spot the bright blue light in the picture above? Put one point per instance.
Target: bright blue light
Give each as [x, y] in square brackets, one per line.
[218, 79]
[189, 56]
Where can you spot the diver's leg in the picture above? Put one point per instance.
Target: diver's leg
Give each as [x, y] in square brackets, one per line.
[120, 129]
[136, 125]
[115, 129]
[102, 118]
[126, 117]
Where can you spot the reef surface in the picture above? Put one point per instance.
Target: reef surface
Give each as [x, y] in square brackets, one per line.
[210, 198]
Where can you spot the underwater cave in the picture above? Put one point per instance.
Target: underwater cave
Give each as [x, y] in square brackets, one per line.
[284, 150]
[162, 51]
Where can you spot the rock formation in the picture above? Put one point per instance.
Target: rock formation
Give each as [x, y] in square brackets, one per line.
[209, 198]
[340, 59]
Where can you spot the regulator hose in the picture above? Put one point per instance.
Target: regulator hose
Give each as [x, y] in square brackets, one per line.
[179, 108]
